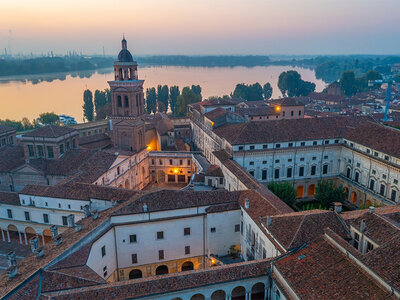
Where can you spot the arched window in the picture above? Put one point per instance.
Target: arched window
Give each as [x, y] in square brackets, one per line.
[348, 174]
[277, 295]
[126, 101]
[119, 101]
[161, 270]
[135, 274]
[187, 266]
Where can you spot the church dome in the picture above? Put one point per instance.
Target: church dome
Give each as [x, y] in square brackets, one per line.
[125, 56]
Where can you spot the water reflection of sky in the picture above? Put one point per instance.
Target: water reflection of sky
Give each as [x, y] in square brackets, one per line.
[28, 96]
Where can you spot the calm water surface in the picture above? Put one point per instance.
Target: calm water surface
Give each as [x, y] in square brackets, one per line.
[62, 93]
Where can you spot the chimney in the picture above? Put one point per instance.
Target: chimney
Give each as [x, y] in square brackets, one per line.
[12, 271]
[95, 214]
[55, 236]
[362, 226]
[38, 251]
[114, 203]
[372, 209]
[11, 259]
[338, 207]
[268, 221]
[78, 227]
[145, 208]
[247, 203]
[86, 210]
[71, 220]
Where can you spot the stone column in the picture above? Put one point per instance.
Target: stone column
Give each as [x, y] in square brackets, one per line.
[228, 297]
[26, 240]
[20, 239]
[8, 236]
[2, 235]
[43, 239]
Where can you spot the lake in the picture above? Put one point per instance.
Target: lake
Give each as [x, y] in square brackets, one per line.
[63, 93]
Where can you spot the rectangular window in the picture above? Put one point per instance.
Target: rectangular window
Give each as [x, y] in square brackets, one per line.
[160, 254]
[160, 235]
[302, 143]
[251, 172]
[370, 247]
[299, 112]
[393, 196]
[326, 142]
[221, 181]
[265, 146]
[74, 143]
[276, 173]
[46, 218]
[186, 231]
[336, 141]
[237, 227]
[134, 258]
[188, 162]
[180, 162]
[314, 143]
[301, 171]
[264, 162]
[31, 151]
[382, 190]
[50, 152]
[325, 169]
[64, 220]
[291, 113]
[301, 158]
[103, 251]
[277, 145]
[240, 148]
[40, 151]
[372, 184]
[357, 177]
[160, 162]
[251, 147]
[132, 238]
[152, 161]
[171, 162]
[9, 213]
[27, 216]
[67, 145]
[61, 148]
[289, 173]
[290, 145]
[251, 163]
[187, 249]
[326, 157]
[356, 239]
[313, 170]
[264, 175]
[213, 229]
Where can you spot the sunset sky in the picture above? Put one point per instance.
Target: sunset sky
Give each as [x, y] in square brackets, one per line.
[202, 27]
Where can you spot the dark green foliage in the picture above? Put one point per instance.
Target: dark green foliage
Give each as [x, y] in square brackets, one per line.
[396, 78]
[327, 192]
[48, 118]
[88, 107]
[291, 84]
[197, 90]
[173, 98]
[267, 91]
[163, 96]
[151, 100]
[249, 92]
[284, 191]
[373, 75]
[188, 96]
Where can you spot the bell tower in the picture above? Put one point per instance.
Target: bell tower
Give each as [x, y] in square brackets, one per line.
[127, 102]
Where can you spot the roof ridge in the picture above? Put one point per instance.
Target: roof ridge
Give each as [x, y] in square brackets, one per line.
[297, 231]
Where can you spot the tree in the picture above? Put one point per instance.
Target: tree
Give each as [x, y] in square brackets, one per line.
[373, 75]
[284, 190]
[88, 107]
[267, 91]
[100, 100]
[327, 192]
[251, 92]
[348, 83]
[187, 97]
[26, 124]
[173, 98]
[396, 78]
[48, 118]
[291, 84]
[151, 100]
[162, 96]
[197, 90]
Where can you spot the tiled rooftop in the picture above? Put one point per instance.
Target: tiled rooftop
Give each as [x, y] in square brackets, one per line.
[50, 131]
[6, 129]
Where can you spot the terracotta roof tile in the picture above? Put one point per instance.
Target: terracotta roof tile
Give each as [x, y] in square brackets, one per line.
[6, 129]
[9, 198]
[50, 131]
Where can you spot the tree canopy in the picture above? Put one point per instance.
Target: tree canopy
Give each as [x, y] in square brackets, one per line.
[48, 118]
[173, 98]
[162, 96]
[151, 100]
[291, 84]
[249, 92]
[88, 107]
[188, 96]
[327, 192]
[284, 190]
[267, 91]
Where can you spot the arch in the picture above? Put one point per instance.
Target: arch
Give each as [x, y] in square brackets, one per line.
[258, 291]
[127, 183]
[135, 274]
[119, 101]
[300, 191]
[238, 293]
[346, 193]
[30, 233]
[161, 270]
[197, 297]
[160, 176]
[353, 197]
[348, 172]
[218, 295]
[176, 298]
[187, 266]
[13, 231]
[47, 235]
[311, 190]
